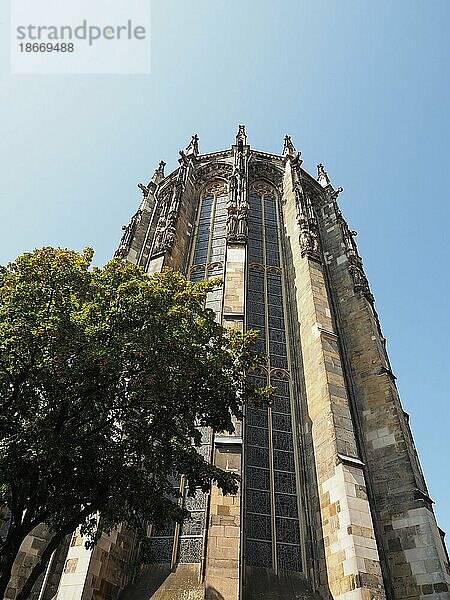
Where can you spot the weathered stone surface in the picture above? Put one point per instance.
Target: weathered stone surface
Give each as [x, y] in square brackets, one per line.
[364, 520]
[407, 534]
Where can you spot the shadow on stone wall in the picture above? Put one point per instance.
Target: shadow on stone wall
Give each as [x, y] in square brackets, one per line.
[160, 582]
[315, 549]
[212, 594]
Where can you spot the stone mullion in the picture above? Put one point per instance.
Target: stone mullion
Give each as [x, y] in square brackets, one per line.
[176, 537]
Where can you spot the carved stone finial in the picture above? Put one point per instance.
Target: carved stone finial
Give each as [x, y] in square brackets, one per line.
[144, 190]
[183, 160]
[192, 148]
[158, 175]
[167, 225]
[322, 176]
[241, 136]
[289, 148]
[355, 263]
[336, 193]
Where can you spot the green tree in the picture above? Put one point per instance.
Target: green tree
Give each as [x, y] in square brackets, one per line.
[105, 375]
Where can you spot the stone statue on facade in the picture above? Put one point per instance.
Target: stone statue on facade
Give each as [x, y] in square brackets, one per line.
[243, 213]
[192, 149]
[232, 221]
[128, 235]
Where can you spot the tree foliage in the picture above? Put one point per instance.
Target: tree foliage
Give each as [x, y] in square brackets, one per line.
[105, 376]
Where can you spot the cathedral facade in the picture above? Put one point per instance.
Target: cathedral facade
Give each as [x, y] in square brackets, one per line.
[333, 503]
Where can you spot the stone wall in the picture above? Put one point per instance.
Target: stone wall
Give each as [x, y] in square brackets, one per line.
[178, 257]
[368, 529]
[349, 566]
[27, 558]
[413, 557]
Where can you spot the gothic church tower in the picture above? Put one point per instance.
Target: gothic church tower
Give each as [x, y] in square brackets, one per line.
[332, 495]
[333, 503]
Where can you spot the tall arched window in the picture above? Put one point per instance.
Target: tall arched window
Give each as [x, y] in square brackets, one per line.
[209, 245]
[272, 527]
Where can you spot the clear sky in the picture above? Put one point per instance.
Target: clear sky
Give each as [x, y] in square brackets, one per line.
[360, 86]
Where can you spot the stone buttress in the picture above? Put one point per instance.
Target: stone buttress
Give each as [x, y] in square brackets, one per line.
[333, 503]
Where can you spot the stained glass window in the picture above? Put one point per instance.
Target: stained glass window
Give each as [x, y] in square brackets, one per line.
[258, 479]
[259, 501]
[283, 441]
[258, 554]
[257, 457]
[196, 502]
[284, 482]
[270, 479]
[162, 536]
[191, 531]
[283, 461]
[257, 436]
[161, 549]
[287, 530]
[285, 505]
[258, 526]
[190, 550]
[207, 262]
[289, 557]
[210, 235]
[203, 232]
[194, 524]
[209, 247]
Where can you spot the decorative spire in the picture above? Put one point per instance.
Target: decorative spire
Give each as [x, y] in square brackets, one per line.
[241, 136]
[158, 175]
[322, 176]
[238, 207]
[289, 148]
[192, 149]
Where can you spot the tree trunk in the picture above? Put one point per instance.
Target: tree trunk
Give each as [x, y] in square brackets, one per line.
[8, 553]
[17, 531]
[6, 565]
[41, 565]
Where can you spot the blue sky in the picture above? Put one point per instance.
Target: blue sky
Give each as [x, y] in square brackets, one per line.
[360, 86]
